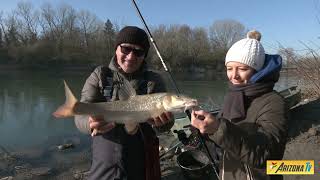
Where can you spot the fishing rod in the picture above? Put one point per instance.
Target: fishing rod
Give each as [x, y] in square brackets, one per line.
[156, 48]
[202, 140]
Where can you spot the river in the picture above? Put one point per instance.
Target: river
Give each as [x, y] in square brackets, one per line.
[27, 100]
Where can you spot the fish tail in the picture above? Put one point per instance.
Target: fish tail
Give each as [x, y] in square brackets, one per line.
[67, 109]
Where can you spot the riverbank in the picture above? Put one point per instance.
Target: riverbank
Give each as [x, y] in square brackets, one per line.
[49, 160]
[304, 136]
[66, 67]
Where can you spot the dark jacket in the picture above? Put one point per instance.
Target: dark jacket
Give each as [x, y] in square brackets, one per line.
[117, 155]
[260, 136]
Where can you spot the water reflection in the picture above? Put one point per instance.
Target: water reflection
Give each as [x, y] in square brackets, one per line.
[210, 94]
[27, 101]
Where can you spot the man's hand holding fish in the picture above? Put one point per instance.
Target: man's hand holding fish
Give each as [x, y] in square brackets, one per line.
[99, 125]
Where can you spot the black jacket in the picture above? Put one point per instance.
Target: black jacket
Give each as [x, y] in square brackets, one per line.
[247, 144]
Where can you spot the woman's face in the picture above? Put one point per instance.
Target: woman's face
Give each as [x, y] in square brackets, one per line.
[238, 73]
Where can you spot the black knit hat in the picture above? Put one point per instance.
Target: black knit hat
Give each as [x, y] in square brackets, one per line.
[133, 35]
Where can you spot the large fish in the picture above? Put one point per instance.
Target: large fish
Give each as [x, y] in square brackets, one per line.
[138, 108]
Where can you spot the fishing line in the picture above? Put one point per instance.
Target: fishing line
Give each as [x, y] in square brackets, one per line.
[156, 48]
[202, 140]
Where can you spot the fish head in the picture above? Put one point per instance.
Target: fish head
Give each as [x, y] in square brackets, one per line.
[178, 103]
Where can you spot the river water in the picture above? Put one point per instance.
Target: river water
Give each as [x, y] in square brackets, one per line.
[27, 100]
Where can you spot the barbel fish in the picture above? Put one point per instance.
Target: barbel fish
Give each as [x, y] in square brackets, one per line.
[137, 108]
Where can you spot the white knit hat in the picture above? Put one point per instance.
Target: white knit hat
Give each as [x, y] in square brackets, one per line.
[248, 51]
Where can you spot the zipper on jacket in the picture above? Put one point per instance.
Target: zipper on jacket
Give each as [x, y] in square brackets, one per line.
[248, 172]
[222, 172]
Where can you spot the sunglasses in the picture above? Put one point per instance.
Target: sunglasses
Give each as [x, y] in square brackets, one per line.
[137, 52]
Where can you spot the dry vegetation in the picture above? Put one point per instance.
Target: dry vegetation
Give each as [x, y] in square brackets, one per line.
[304, 120]
[306, 69]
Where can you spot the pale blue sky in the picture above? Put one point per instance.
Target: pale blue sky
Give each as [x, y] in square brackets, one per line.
[280, 21]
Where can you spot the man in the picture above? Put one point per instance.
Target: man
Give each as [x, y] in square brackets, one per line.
[124, 151]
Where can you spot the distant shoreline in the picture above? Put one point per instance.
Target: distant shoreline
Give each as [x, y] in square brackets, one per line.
[17, 67]
[204, 74]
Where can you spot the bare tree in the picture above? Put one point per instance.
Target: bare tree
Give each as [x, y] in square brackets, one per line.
[68, 35]
[2, 27]
[88, 26]
[306, 68]
[224, 33]
[59, 25]
[11, 30]
[48, 22]
[183, 37]
[29, 19]
[199, 46]
[287, 55]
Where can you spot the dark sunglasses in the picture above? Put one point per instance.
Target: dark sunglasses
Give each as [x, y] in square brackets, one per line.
[137, 52]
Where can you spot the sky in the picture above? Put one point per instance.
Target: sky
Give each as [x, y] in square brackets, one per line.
[291, 23]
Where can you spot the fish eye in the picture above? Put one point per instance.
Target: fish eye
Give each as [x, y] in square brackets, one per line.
[175, 96]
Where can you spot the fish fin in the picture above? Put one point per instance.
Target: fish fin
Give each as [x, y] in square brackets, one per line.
[66, 110]
[126, 90]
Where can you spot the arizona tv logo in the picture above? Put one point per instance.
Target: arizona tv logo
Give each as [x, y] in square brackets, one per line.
[290, 167]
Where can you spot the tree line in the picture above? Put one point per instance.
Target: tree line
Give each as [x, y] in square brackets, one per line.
[62, 36]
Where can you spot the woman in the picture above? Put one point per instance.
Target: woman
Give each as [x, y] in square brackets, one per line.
[251, 127]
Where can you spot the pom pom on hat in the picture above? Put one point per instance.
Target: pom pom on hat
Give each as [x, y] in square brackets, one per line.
[253, 34]
[248, 51]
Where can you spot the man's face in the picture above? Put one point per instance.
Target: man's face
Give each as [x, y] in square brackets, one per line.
[129, 57]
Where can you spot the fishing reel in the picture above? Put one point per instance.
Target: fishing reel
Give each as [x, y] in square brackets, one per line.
[192, 140]
[186, 140]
